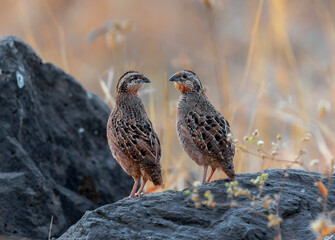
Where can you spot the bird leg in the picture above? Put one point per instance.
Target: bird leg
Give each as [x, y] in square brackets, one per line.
[132, 194]
[138, 194]
[211, 174]
[205, 174]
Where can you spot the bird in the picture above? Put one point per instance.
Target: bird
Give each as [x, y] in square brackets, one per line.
[203, 132]
[131, 137]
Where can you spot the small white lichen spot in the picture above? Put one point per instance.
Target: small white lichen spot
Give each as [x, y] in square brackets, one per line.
[81, 130]
[11, 44]
[19, 79]
[89, 94]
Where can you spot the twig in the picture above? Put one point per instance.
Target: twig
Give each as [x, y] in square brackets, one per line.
[52, 218]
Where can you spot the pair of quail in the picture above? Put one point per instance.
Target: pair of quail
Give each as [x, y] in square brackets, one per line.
[202, 131]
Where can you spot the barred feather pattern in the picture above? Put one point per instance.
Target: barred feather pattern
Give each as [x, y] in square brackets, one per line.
[132, 139]
[203, 132]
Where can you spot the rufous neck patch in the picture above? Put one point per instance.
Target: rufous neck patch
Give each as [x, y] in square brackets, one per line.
[132, 89]
[182, 87]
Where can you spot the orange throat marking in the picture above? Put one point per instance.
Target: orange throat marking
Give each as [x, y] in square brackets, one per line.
[134, 90]
[182, 88]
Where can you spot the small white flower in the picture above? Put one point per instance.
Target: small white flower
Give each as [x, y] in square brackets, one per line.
[275, 146]
[260, 143]
[196, 184]
[314, 162]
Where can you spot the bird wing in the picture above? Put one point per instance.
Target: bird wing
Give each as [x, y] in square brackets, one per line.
[209, 133]
[138, 141]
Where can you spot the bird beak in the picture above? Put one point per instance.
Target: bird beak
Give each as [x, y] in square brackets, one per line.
[173, 78]
[145, 80]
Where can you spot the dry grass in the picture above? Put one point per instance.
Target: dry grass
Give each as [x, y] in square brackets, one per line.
[267, 65]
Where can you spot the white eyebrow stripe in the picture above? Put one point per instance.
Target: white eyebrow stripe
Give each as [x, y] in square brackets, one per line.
[195, 76]
[125, 77]
[130, 74]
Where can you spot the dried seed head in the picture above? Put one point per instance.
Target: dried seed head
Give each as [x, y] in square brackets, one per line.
[318, 224]
[212, 4]
[275, 146]
[307, 137]
[278, 137]
[323, 108]
[302, 151]
[255, 133]
[274, 153]
[314, 162]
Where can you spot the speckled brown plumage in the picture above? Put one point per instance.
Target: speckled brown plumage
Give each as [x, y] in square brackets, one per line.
[202, 130]
[131, 137]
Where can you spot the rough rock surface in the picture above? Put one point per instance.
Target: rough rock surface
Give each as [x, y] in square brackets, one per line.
[54, 157]
[172, 215]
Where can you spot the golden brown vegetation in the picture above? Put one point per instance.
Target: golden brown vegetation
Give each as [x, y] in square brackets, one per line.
[256, 200]
[268, 65]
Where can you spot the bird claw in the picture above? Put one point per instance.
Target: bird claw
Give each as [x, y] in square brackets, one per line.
[129, 197]
[207, 183]
[138, 195]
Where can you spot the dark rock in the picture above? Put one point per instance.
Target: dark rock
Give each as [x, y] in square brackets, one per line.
[54, 157]
[172, 215]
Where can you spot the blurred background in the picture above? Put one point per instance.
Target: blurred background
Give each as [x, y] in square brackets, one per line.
[266, 64]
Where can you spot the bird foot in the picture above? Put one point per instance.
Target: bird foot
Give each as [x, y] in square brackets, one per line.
[129, 197]
[206, 183]
[138, 195]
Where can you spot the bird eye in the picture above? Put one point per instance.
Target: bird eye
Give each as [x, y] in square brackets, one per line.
[135, 77]
[184, 76]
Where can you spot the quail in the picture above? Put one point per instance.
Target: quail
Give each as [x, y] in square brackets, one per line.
[131, 137]
[203, 132]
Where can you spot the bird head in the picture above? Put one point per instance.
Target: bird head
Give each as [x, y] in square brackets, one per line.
[228, 167]
[186, 81]
[131, 82]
